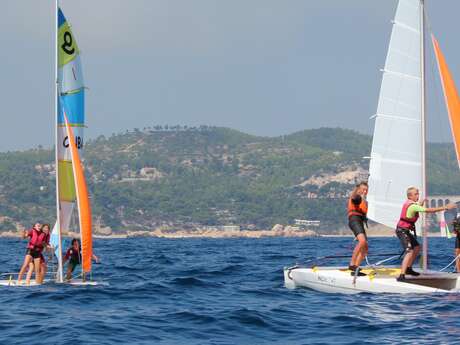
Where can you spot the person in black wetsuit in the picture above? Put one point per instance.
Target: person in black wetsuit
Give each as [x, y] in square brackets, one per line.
[73, 255]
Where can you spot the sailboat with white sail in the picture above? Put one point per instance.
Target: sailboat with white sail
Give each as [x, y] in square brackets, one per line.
[71, 188]
[398, 158]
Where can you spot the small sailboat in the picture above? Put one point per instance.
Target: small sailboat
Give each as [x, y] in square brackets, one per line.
[71, 188]
[398, 159]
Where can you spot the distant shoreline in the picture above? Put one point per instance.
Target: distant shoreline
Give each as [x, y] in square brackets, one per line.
[372, 233]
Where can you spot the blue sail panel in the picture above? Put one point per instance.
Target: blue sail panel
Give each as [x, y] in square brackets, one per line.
[61, 18]
[73, 104]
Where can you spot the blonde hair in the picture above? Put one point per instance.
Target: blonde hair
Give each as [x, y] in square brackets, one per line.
[410, 190]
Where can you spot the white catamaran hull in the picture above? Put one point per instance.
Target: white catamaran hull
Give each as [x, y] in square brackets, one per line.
[13, 282]
[76, 282]
[381, 280]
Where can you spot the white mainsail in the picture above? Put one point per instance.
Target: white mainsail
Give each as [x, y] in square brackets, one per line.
[397, 147]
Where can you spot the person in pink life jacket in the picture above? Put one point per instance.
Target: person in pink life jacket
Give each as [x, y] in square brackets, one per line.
[37, 241]
[45, 228]
[28, 258]
[406, 232]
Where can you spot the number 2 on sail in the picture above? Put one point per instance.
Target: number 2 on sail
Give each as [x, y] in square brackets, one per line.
[67, 46]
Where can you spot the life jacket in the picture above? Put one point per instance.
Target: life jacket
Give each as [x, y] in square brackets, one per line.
[357, 210]
[37, 240]
[73, 255]
[404, 222]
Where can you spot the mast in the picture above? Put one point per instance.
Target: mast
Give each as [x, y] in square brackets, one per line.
[56, 112]
[423, 128]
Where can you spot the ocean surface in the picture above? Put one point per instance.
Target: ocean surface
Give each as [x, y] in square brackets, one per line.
[218, 291]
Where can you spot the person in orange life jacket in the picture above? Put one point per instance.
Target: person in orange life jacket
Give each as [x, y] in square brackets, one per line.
[456, 232]
[31, 253]
[73, 254]
[45, 228]
[406, 232]
[357, 216]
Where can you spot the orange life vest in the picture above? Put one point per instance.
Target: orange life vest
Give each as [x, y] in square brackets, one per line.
[357, 210]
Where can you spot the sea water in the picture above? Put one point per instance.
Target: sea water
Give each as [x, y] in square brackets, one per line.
[219, 291]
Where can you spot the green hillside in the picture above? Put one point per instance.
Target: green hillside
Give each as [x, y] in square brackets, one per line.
[187, 177]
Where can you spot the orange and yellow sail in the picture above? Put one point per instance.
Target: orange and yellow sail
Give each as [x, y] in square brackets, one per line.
[450, 95]
[84, 207]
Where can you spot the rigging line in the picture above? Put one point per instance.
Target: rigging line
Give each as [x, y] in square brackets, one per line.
[340, 256]
[378, 263]
[457, 257]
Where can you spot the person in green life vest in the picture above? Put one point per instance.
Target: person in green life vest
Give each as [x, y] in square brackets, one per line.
[406, 232]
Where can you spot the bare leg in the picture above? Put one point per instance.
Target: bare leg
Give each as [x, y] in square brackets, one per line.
[360, 250]
[27, 260]
[37, 270]
[408, 260]
[29, 273]
[362, 253]
[414, 257]
[43, 269]
[68, 275]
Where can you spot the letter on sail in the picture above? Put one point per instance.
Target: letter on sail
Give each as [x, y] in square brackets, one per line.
[450, 96]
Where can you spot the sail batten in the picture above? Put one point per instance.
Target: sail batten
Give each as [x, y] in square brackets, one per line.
[405, 26]
[396, 117]
[396, 156]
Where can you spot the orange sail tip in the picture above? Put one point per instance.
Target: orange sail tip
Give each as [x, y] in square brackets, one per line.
[450, 96]
[84, 207]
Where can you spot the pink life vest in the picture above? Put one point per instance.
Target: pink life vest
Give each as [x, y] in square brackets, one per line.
[404, 222]
[37, 240]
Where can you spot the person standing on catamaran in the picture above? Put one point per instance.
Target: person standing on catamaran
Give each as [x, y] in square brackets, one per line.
[406, 232]
[39, 239]
[73, 255]
[36, 237]
[45, 228]
[357, 217]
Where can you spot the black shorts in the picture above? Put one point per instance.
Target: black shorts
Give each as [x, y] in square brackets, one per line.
[457, 243]
[407, 238]
[35, 254]
[356, 224]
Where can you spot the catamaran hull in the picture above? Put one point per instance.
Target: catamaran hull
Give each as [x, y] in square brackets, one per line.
[13, 282]
[75, 282]
[383, 280]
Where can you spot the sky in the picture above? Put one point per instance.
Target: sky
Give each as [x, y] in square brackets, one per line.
[265, 67]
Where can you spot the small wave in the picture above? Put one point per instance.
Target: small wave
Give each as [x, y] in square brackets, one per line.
[188, 315]
[225, 271]
[189, 281]
[249, 317]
